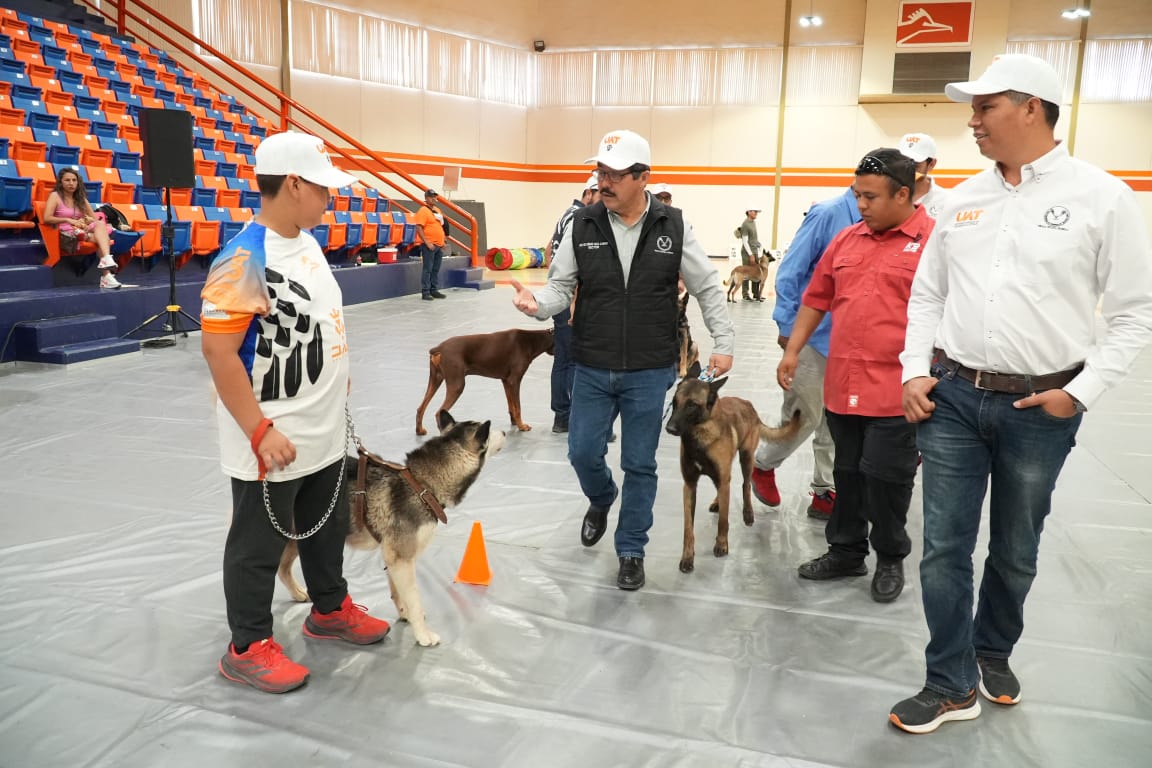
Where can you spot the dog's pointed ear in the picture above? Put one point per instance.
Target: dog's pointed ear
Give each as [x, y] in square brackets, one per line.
[483, 432]
[444, 420]
[694, 371]
[716, 384]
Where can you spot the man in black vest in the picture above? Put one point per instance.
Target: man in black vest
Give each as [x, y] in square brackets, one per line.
[626, 253]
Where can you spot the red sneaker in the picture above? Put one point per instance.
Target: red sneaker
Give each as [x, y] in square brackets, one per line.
[263, 666]
[764, 486]
[349, 622]
[821, 506]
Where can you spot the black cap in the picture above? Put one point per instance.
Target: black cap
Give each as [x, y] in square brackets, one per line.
[430, 193]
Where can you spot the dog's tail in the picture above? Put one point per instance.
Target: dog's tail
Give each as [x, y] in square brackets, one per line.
[785, 431]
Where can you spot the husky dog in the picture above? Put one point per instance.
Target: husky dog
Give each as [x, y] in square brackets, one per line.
[402, 505]
[712, 431]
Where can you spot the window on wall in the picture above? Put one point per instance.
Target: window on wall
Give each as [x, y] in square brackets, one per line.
[325, 40]
[391, 53]
[564, 79]
[684, 78]
[244, 30]
[624, 78]
[824, 75]
[452, 64]
[1117, 70]
[506, 75]
[748, 76]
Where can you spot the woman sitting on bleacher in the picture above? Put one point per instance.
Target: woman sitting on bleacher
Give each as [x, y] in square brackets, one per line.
[69, 209]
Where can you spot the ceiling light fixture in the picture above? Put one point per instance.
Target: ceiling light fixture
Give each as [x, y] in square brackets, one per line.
[1074, 14]
[811, 20]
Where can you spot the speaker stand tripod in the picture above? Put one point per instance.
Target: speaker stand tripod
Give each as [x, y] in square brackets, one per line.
[173, 312]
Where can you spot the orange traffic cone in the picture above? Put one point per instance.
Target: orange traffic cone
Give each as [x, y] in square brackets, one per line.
[474, 567]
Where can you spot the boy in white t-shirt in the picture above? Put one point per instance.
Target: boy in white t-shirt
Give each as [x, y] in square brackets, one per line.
[274, 340]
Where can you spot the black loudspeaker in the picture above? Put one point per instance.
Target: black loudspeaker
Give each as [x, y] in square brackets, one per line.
[168, 158]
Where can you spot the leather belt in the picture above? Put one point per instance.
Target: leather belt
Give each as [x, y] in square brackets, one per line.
[1009, 383]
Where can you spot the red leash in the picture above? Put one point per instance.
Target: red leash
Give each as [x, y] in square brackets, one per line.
[257, 436]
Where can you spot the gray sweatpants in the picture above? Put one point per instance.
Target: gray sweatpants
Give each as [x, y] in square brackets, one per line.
[807, 396]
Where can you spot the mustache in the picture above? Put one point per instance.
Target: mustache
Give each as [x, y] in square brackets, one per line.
[607, 193]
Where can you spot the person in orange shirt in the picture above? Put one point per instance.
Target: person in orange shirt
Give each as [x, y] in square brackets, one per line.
[430, 228]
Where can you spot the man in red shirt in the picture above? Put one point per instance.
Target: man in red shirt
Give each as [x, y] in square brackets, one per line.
[430, 230]
[864, 279]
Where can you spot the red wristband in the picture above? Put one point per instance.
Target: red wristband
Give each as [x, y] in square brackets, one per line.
[257, 436]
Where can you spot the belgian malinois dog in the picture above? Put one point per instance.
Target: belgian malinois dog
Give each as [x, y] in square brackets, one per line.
[712, 431]
[395, 515]
[757, 273]
[689, 352]
[503, 355]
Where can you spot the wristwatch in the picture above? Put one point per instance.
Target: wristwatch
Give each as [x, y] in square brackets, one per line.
[1079, 406]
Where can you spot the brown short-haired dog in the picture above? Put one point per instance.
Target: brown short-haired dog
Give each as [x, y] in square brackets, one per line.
[503, 355]
[712, 431]
[757, 273]
[689, 352]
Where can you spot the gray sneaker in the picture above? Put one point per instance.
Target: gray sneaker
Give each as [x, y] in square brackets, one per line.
[997, 683]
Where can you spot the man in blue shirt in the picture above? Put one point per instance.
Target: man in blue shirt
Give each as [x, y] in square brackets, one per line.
[822, 222]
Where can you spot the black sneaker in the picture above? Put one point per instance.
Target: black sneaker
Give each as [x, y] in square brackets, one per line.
[924, 712]
[830, 566]
[997, 683]
[560, 425]
[437, 295]
[426, 297]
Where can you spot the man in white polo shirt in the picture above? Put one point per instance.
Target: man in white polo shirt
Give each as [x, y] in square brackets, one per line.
[920, 148]
[1001, 359]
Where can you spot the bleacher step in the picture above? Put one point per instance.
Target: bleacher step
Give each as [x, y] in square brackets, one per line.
[24, 277]
[479, 285]
[37, 335]
[80, 352]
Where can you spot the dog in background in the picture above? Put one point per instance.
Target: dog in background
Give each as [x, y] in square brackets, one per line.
[394, 515]
[757, 273]
[503, 355]
[689, 352]
[713, 430]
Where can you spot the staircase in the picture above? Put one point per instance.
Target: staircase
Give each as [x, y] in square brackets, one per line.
[473, 277]
[69, 340]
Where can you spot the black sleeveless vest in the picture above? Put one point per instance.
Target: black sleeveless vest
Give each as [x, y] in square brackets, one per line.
[631, 328]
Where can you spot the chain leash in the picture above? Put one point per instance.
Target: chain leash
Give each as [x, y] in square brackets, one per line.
[350, 434]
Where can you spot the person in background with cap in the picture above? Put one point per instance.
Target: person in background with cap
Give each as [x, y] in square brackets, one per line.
[1001, 359]
[429, 221]
[749, 253]
[921, 149]
[275, 344]
[863, 280]
[626, 252]
[823, 222]
[663, 193]
[563, 369]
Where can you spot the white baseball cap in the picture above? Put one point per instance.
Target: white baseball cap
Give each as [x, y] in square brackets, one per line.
[917, 147]
[660, 189]
[592, 183]
[620, 150]
[299, 154]
[753, 207]
[1012, 72]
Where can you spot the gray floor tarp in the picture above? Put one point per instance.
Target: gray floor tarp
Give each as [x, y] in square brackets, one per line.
[114, 511]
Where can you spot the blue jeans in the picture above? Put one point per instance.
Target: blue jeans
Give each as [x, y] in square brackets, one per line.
[563, 368]
[430, 272]
[600, 395]
[974, 434]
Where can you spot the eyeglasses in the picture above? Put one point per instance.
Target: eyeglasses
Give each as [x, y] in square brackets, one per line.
[613, 176]
[875, 166]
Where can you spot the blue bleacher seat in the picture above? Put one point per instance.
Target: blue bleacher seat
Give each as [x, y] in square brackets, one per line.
[199, 101]
[51, 138]
[53, 56]
[249, 199]
[86, 102]
[95, 189]
[13, 66]
[181, 230]
[149, 195]
[42, 120]
[103, 129]
[68, 77]
[215, 114]
[224, 125]
[147, 75]
[106, 67]
[114, 143]
[65, 155]
[3, 148]
[17, 190]
[355, 203]
[203, 142]
[320, 232]
[227, 170]
[121, 88]
[76, 89]
[256, 130]
[132, 177]
[229, 230]
[25, 92]
[90, 46]
[241, 184]
[203, 197]
[126, 161]
[247, 150]
[382, 230]
[215, 156]
[183, 81]
[354, 230]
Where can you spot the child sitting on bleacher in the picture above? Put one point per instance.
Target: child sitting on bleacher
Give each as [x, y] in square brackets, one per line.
[69, 209]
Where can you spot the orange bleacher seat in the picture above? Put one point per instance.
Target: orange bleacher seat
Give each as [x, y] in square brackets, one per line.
[151, 102]
[74, 125]
[150, 243]
[11, 116]
[40, 70]
[5, 100]
[96, 82]
[168, 79]
[181, 196]
[121, 120]
[340, 202]
[24, 45]
[186, 99]
[43, 177]
[135, 145]
[113, 108]
[62, 110]
[206, 123]
[5, 87]
[205, 234]
[228, 198]
[129, 132]
[83, 141]
[50, 236]
[368, 230]
[142, 90]
[205, 167]
[115, 191]
[57, 96]
[100, 37]
[246, 171]
[226, 146]
[22, 145]
[337, 232]
[63, 36]
[98, 157]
